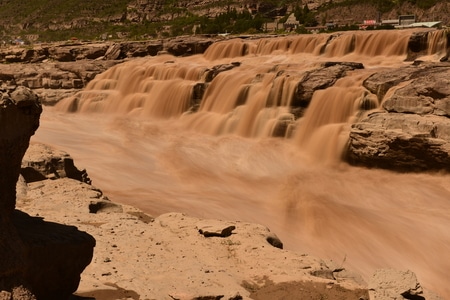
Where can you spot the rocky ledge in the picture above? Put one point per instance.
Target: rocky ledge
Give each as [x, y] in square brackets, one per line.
[38, 259]
[76, 51]
[175, 256]
[411, 130]
[57, 71]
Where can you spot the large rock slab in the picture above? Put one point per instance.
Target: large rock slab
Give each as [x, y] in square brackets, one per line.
[428, 92]
[394, 284]
[44, 162]
[56, 255]
[404, 142]
[411, 130]
[20, 110]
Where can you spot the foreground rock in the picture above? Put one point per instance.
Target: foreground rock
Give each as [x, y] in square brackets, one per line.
[394, 284]
[19, 118]
[175, 256]
[32, 252]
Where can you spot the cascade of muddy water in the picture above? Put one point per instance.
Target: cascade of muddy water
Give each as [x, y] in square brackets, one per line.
[322, 131]
[154, 148]
[437, 42]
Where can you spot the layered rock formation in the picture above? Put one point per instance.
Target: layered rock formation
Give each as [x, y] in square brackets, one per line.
[59, 71]
[38, 259]
[76, 51]
[50, 80]
[411, 132]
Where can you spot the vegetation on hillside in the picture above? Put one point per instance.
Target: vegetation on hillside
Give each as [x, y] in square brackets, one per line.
[52, 20]
[383, 5]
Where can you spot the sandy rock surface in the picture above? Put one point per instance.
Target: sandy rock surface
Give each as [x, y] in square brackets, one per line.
[174, 256]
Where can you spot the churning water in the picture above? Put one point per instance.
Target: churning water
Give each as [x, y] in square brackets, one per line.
[129, 128]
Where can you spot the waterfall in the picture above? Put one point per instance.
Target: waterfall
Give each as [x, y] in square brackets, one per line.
[258, 96]
[254, 130]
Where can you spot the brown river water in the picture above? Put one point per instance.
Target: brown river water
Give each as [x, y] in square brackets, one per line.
[129, 130]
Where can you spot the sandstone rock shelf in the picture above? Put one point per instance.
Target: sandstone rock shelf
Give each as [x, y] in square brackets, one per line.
[169, 257]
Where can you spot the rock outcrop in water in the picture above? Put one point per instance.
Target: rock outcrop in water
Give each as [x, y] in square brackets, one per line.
[411, 131]
[33, 252]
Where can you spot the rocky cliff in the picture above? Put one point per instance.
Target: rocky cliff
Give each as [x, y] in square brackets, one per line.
[411, 131]
[32, 251]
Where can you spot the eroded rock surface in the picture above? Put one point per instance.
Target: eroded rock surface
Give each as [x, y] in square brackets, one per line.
[76, 51]
[51, 81]
[32, 252]
[394, 284]
[43, 162]
[20, 110]
[411, 131]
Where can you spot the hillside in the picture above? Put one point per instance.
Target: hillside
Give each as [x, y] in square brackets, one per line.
[49, 20]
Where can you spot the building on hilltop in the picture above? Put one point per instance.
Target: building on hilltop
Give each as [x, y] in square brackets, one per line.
[291, 23]
[405, 20]
[435, 24]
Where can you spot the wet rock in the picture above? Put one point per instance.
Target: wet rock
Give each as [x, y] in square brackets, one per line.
[283, 125]
[417, 44]
[184, 46]
[319, 79]
[216, 70]
[420, 41]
